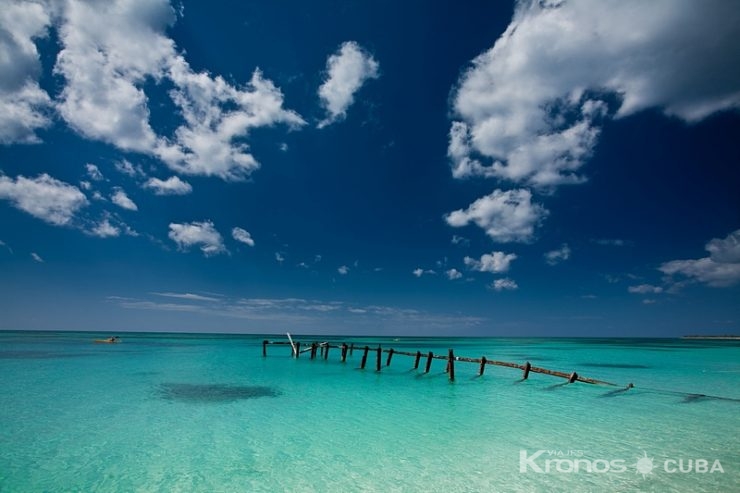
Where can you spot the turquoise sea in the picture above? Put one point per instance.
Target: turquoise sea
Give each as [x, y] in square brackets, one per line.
[209, 413]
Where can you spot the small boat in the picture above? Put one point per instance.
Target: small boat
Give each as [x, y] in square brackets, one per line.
[110, 340]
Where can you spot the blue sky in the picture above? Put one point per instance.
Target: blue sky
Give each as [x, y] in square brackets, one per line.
[413, 168]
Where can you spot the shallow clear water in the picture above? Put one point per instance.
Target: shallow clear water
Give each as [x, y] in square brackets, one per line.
[168, 412]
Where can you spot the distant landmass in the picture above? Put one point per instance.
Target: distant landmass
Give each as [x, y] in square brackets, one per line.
[728, 337]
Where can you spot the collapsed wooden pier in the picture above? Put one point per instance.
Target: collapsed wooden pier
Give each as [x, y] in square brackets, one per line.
[450, 358]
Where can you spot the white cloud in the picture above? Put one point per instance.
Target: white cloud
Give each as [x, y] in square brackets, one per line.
[111, 50]
[460, 240]
[44, 197]
[187, 296]
[529, 110]
[171, 186]
[562, 254]
[645, 289]
[453, 274]
[211, 141]
[720, 269]
[611, 242]
[37, 257]
[24, 106]
[132, 170]
[506, 216]
[201, 234]
[104, 229]
[343, 270]
[347, 70]
[243, 236]
[85, 185]
[418, 272]
[504, 284]
[93, 172]
[122, 200]
[279, 257]
[493, 262]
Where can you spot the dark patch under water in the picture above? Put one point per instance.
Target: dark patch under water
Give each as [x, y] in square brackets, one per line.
[691, 398]
[615, 365]
[187, 392]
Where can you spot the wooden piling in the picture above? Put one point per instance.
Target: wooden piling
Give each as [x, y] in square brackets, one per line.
[429, 361]
[450, 359]
[451, 365]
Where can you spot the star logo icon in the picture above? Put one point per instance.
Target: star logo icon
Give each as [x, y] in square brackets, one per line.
[644, 465]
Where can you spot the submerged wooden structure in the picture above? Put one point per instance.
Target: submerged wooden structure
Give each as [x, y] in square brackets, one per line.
[450, 358]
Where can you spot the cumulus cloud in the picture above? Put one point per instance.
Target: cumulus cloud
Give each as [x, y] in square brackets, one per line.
[347, 70]
[554, 257]
[720, 269]
[212, 140]
[24, 106]
[93, 172]
[104, 229]
[122, 200]
[645, 289]
[506, 216]
[279, 257]
[171, 186]
[343, 270]
[243, 236]
[493, 262]
[453, 274]
[201, 234]
[132, 170]
[530, 109]
[44, 197]
[112, 50]
[35, 256]
[504, 284]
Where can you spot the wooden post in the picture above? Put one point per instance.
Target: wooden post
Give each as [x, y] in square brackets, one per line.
[416, 362]
[364, 358]
[377, 364]
[390, 355]
[326, 352]
[264, 347]
[527, 367]
[451, 365]
[429, 362]
[344, 352]
[351, 348]
[573, 377]
[482, 366]
[297, 349]
[313, 350]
